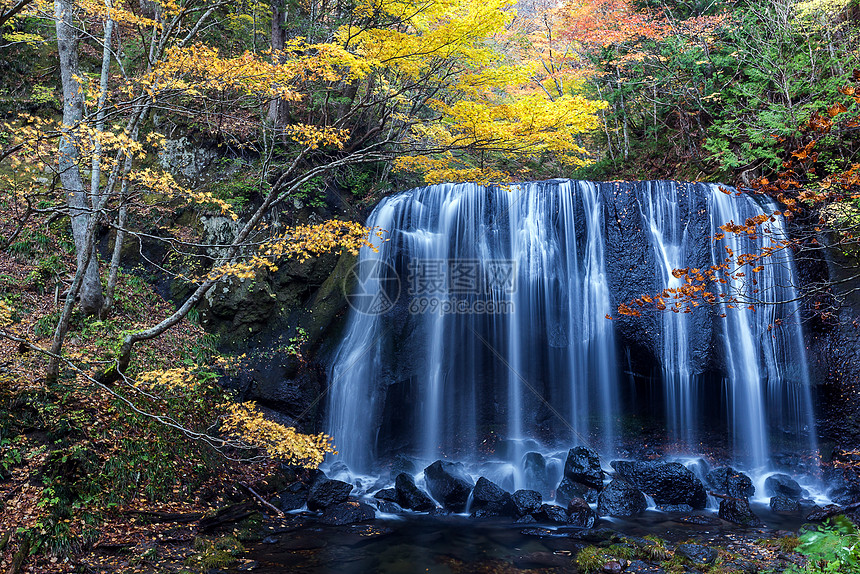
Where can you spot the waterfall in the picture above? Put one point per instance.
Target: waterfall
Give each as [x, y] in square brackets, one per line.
[660, 206]
[768, 377]
[478, 329]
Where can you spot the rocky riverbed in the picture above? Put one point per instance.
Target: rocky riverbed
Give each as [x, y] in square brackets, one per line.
[640, 517]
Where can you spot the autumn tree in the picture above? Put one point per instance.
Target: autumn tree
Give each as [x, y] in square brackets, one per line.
[418, 86]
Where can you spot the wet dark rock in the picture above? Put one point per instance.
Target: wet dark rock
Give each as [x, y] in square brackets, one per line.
[347, 513]
[782, 503]
[410, 496]
[620, 498]
[449, 484]
[326, 492]
[538, 532]
[698, 554]
[595, 535]
[612, 567]
[738, 510]
[699, 520]
[551, 513]
[640, 567]
[439, 511]
[579, 513]
[567, 490]
[484, 513]
[525, 502]
[820, 514]
[667, 482]
[527, 519]
[389, 494]
[534, 470]
[845, 495]
[782, 484]
[400, 465]
[583, 466]
[731, 482]
[293, 497]
[675, 507]
[490, 499]
[388, 507]
[270, 540]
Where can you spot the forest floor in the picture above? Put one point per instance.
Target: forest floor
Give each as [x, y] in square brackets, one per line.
[85, 484]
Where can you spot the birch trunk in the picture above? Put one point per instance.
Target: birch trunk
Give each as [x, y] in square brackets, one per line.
[91, 298]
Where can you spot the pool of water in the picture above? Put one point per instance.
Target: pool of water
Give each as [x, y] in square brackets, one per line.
[456, 544]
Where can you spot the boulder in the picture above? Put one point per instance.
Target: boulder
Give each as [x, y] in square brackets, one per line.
[388, 507]
[667, 482]
[525, 502]
[293, 497]
[583, 466]
[784, 504]
[738, 510]
[449, 484]
[527, 519]
[784, 485]
[410, 496]
[728, 481]
[534, 469]
[325, 492]
[347, 513]
[579, 513]
[699, 520]
[697, 554]
[620, 498]
[490, 499]
[844, 495]
[612, 567]
[551, 513]
[675, 507]
[567, 490]
[387, 494]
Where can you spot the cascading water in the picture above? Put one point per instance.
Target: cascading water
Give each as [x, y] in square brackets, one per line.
[479, 330]
[660, 206]
[768, 377]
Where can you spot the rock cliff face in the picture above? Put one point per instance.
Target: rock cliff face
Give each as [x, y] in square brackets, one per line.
[833, 343]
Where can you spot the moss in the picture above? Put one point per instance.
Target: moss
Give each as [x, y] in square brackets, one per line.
[591, 559]
[250, 529]
[622, 551]
[214, 553]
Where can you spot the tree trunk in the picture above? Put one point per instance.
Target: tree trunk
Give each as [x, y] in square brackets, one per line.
[95, 179]
[122, 220]
[91, 298]
[278, 110]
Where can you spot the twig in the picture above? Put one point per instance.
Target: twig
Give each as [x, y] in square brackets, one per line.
[262, 501]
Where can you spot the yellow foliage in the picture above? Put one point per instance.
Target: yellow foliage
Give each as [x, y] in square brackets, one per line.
[514, 126]
[102, 11]
[246, 423]
[198, 68]
[301, 242]
[168, 380]
[5, 314]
